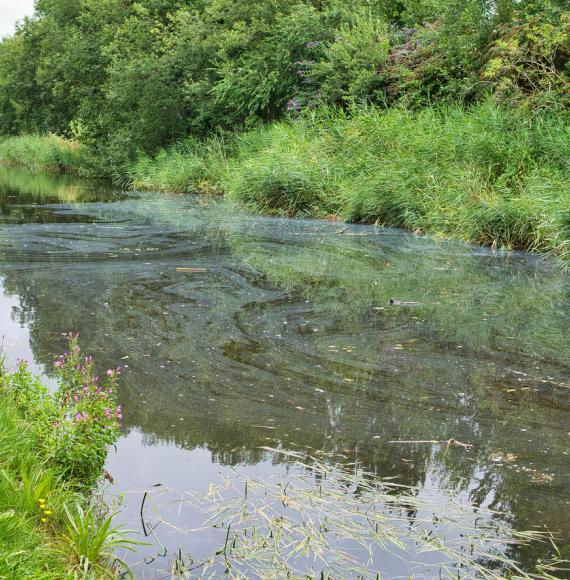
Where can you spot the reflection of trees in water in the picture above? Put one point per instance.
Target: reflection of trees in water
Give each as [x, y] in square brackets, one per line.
[236, 351]
[26, 187]
[23, 195]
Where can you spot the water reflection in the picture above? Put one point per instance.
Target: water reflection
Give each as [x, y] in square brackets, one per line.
[285, 337]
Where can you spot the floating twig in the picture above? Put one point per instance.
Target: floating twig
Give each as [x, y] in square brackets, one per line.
[450, 442]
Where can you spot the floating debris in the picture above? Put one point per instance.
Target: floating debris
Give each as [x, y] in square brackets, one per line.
[394, 302]
[500, 457]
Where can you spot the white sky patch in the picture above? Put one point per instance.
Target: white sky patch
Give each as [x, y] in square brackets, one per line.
[11, 11]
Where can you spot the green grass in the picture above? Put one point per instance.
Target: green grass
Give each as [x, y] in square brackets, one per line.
[487, 175]
[190, 166]
[44, 153]
[28, 546]
[50, 527]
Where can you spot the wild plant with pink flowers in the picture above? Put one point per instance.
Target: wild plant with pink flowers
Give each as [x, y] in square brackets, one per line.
[79, 421]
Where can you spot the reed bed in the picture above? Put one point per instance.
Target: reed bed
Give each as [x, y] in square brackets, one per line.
[488, 175]
[49, 153]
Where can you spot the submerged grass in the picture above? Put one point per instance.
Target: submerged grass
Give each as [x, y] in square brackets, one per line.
[338, 521]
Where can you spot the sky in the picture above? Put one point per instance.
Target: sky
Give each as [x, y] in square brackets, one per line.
[11, 11]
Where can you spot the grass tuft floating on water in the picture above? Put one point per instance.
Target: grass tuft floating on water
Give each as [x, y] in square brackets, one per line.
[338, 521]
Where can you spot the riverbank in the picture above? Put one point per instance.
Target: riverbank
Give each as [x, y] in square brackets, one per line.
[52, 446]
[47, 153]
[487, 175]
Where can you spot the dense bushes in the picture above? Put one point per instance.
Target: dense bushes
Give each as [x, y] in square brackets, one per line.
[125, 77]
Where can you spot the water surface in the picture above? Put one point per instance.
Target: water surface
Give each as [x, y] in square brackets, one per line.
[285, 337]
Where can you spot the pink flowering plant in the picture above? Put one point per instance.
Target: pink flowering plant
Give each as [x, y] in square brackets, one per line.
[80, 420]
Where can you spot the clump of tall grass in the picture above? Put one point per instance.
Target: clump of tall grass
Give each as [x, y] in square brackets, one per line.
[44, 153]
[190, 166]
[92, 540]
[487, 174]
[284, 169]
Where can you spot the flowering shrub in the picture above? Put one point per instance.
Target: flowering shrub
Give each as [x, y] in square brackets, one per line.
[79, 421]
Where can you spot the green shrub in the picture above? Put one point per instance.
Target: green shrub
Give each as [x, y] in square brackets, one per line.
[349, 71]
[52, 449]
[74, 426]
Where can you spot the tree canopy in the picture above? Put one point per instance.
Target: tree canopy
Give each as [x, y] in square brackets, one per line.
[128, 76]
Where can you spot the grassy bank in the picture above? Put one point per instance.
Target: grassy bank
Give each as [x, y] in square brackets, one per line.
[28, 547]
[52, 446]
[49, 153]
[488, 174]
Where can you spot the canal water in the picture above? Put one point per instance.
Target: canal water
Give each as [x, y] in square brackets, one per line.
[240, 335]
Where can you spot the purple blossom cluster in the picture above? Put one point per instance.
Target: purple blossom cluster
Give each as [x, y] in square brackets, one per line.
[88, 416]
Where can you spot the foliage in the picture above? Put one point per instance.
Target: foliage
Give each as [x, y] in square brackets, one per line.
[76, 425]
[528, 60]
[44, 153]
[93, 540]
[353, 60]
[132, 77]
[40, 477]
